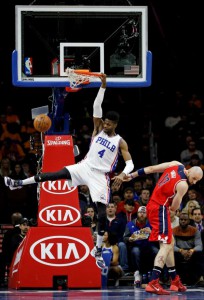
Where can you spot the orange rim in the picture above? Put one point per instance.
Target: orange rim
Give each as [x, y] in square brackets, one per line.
[86, 72]
[72, 90]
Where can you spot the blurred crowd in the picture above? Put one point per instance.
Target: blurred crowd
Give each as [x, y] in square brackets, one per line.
[178, 135]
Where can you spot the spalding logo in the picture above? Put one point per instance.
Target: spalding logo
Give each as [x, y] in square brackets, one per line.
[58, 187]
[57, 141]
[59, 215]
[59, 251]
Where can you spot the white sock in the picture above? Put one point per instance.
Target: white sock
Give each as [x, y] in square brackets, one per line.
[29, 180]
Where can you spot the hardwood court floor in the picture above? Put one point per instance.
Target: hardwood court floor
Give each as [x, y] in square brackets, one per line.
[118, 293]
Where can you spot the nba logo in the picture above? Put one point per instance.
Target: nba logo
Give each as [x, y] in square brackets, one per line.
[28, 66]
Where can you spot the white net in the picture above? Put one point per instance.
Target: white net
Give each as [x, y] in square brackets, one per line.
[76, 79]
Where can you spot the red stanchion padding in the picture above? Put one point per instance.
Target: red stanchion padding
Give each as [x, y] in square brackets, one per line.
[56, 254]
[59, 203]
[47, 256]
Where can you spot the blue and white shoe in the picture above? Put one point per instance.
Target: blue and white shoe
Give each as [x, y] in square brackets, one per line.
[12, 184]
[97, 253]
[100, 262]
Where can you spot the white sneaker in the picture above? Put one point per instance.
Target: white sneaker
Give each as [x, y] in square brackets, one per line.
[137, 280]
[12, 184]
[117, 283]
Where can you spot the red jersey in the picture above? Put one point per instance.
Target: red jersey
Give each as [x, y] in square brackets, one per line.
[165, 188]
[160, 200]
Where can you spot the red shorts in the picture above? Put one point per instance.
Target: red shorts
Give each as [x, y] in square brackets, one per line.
[159, 219]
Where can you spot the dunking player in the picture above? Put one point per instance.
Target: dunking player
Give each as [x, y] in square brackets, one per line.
[167, 195]
[94, 169]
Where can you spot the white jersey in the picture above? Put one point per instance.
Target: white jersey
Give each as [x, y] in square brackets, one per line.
[103, 152]
[93, 170]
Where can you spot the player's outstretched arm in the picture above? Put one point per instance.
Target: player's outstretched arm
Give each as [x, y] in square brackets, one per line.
[97, 106]
[151, 169]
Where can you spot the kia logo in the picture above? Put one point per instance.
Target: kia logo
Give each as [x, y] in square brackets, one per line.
[59, 251]
[64, 214]
[58, 187]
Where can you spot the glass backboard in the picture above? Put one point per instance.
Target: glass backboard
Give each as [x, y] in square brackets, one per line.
[108, 39]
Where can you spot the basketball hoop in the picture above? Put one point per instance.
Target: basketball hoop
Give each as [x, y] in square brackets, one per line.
[70, 89]
[78, 77]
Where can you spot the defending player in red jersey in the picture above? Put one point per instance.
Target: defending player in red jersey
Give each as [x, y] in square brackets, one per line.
[167, 195]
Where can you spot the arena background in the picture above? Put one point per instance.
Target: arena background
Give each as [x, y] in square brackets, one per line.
[175, 40]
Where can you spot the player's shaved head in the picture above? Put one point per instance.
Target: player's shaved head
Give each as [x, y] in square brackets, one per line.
[197, 171]
[194, 174]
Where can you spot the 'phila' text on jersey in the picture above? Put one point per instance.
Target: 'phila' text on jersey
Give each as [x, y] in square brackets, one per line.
[106, 143]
